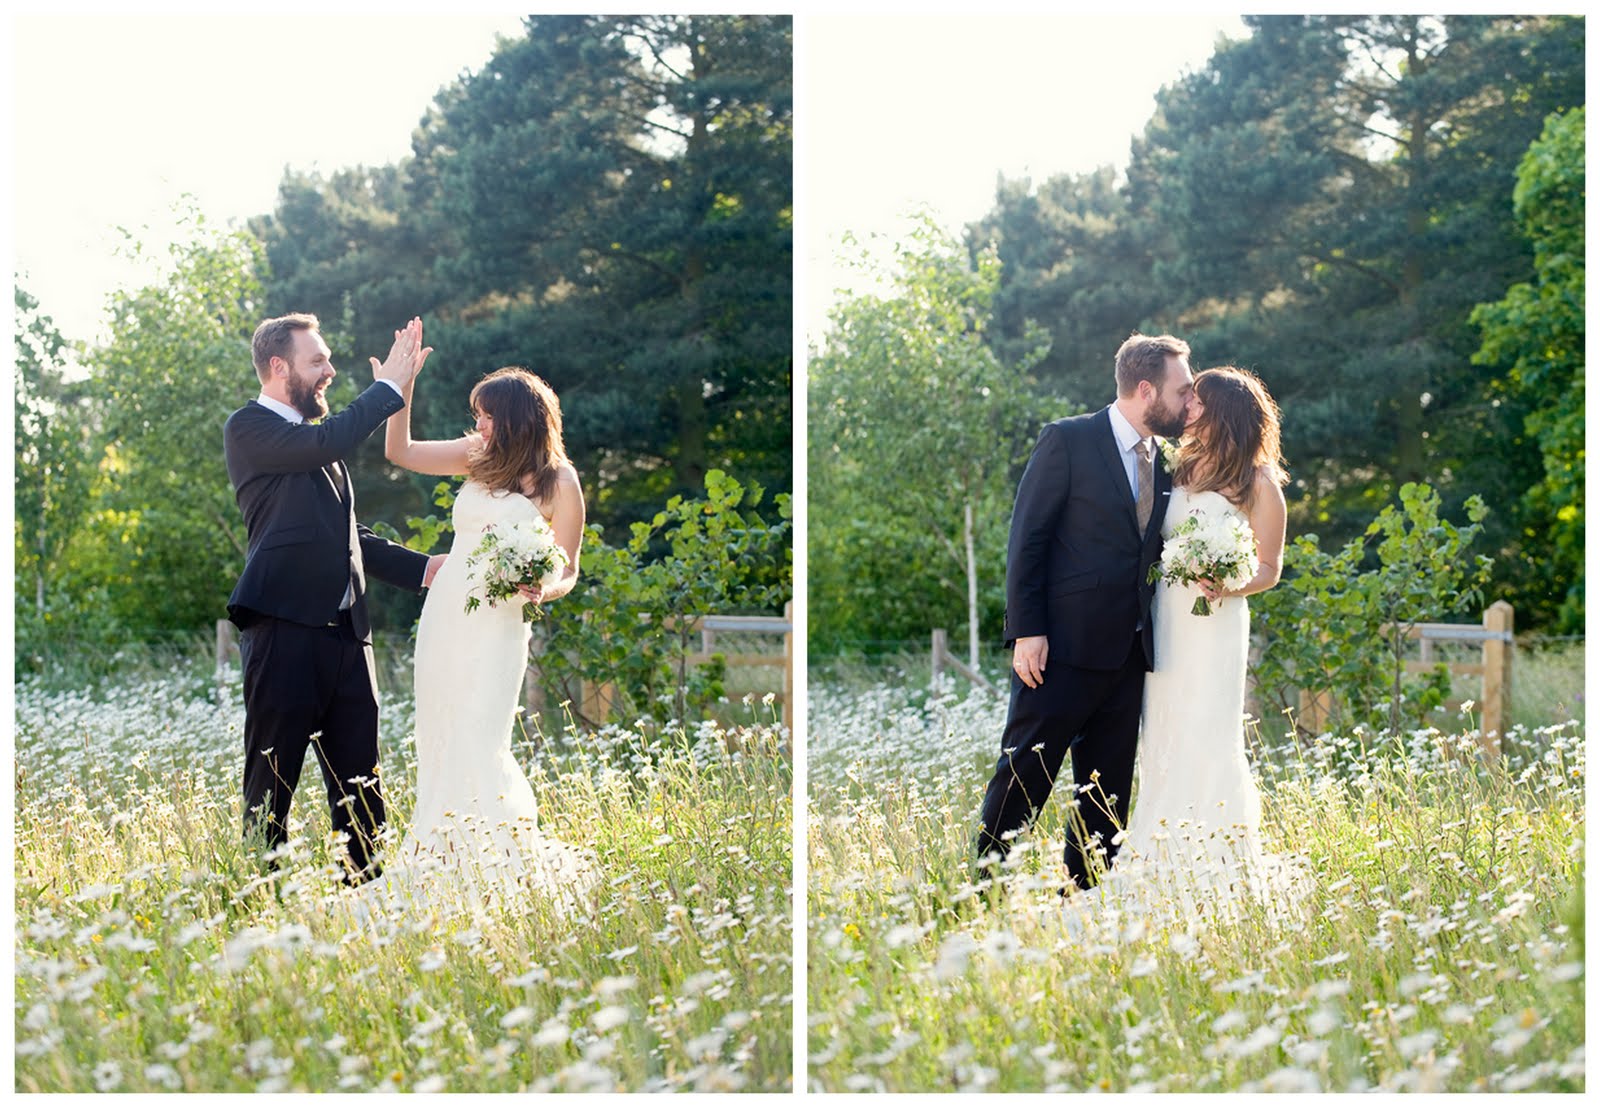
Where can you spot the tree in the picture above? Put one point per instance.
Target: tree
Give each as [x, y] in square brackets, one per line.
[53, 465]
[1325, 201]
[1076, 254]
[1536, 332]
[607, 202]
[163, 537]
[916, 426]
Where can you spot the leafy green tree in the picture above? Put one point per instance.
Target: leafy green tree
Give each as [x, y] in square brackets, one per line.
[163, 535]
[1537, 330]
[53, 469]
[1326, 201]
[1076, 256]
[916, 429]
[607, 202]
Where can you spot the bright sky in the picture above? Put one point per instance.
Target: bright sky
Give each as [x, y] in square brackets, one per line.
[897, 112]
[118, 116]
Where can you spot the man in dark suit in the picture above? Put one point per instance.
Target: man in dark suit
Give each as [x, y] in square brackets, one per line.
[304, 639]
[1085, 529]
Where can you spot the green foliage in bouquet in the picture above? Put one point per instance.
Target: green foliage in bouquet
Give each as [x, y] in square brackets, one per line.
[1338, 622]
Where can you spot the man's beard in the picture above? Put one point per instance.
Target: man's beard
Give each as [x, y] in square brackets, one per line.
[1163, 420]
[305, 399]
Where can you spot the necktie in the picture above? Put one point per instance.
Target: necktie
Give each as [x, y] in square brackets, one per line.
[1147, 484]
[336, 473]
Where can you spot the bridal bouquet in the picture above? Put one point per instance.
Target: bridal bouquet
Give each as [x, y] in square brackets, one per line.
[1219, 547]
[511, 555]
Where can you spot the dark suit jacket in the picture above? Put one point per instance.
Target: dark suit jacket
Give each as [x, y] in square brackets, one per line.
[1076, 564]
[299, 514]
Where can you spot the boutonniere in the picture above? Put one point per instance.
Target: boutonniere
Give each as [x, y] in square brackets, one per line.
[1169, 455]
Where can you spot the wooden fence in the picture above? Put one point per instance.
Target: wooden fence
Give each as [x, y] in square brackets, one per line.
[1494, 635]
[595, 698]
[943, 660]
[1498, 646]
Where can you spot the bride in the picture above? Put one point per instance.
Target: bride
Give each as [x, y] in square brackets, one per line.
[1193, 841]
[475, 835]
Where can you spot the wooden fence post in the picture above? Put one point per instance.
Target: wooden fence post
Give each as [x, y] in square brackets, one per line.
[227, 642]
[942, 658]
[1497, 652]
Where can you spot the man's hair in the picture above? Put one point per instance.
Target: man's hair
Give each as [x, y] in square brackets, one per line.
[274, 338]
[1144, 358]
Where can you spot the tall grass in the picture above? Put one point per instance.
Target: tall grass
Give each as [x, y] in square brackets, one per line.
[1440, 948]
[153, 953]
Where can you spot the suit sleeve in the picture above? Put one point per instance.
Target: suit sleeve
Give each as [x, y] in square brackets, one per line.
[274, 445]
[1041, 496]
[390, 562]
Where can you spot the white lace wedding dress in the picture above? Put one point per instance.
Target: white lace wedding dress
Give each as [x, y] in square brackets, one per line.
[1193, 842]
[474, 837]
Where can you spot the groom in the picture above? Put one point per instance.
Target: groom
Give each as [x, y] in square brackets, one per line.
[1085, 529]
[304, 640]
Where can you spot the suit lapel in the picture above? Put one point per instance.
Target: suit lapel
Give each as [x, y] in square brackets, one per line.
[1107, 443]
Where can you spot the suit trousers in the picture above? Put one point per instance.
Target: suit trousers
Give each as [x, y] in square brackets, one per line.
[311, 687]
[1094, 714]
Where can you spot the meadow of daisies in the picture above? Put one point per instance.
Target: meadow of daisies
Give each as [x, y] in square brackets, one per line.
[153, 954]
[1441, 947]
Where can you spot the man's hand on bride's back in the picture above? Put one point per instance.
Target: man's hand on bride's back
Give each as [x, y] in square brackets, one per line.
[1028, 657]
[405, 356]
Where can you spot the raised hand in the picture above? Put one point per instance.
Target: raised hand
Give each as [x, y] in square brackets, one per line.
[405, 356]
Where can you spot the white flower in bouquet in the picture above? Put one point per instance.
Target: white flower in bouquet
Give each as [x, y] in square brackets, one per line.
[512, 555]
[1221, 548]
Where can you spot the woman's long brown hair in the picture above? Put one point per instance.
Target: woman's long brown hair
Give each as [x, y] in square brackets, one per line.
[1235, 438]
[526, 441]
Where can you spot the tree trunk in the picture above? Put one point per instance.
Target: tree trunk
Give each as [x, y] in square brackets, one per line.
[690, 467]
[972, 589]
[1410, 462]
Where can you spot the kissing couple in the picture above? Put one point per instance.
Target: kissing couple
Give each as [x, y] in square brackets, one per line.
[305, 643]
[1107, 645]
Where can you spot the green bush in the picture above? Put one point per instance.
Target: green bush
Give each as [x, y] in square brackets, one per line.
[1334, 626]
[629, 623]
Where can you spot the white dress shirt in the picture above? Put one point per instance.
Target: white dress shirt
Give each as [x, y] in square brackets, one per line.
[1127, 439]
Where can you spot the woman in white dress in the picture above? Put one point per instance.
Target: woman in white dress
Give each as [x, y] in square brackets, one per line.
[1193, 840]
[475, 835]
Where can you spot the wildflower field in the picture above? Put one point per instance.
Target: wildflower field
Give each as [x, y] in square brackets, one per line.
[1441, 948]
[153, 954]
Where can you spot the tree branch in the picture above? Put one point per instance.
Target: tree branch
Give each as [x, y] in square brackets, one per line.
[656, 54]
[1359, 267]
[222, 525]
[649, 263]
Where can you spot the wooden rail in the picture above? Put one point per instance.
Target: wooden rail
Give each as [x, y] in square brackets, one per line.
[942, 659]
[1493, 668]
[595, 698]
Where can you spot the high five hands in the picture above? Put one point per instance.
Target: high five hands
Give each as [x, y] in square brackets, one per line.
[405, 356]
